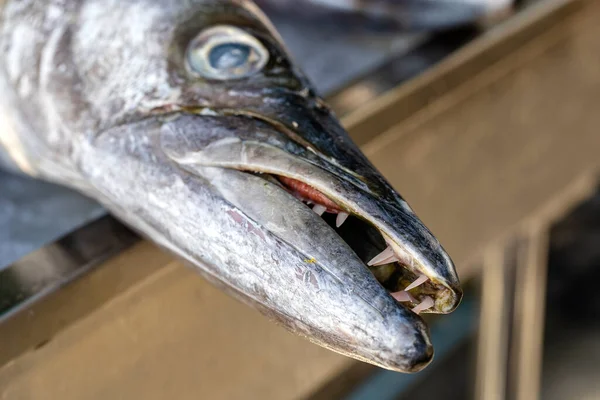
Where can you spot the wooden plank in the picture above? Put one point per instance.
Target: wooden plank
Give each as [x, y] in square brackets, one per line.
[480, 160]
[171, 336]
[399, 104]
[529, 320]
[41, 321]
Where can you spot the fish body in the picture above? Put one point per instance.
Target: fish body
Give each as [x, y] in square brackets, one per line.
[190, 123]
[391, 15]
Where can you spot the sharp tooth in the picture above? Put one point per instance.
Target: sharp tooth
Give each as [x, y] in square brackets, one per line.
[388, 260]
[341, 217]
[404, 296]
[426, 304]
[319, 209]
[388, 252]
[419, 281]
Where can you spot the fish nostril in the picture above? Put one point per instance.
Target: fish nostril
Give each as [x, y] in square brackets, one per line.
[424, 356]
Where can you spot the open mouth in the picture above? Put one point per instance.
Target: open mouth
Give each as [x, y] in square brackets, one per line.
[386, 236]
[394, 271]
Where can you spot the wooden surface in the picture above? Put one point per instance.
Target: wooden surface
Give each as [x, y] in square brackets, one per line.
[496, 151]
[484, 157]
[172, 336]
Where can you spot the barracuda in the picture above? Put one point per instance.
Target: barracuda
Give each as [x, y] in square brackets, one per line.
[189, 122]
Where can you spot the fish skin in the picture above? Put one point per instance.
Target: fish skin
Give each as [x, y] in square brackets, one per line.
[390, 15]
[97, 97]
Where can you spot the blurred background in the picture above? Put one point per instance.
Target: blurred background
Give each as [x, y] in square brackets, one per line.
[489, 128]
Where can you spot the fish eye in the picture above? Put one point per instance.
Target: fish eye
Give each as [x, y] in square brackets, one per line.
[225, 52]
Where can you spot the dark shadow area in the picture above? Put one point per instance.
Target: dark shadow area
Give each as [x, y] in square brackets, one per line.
[572, 339]
[448, 379]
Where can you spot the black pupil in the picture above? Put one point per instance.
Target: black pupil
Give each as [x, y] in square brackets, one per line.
[229, 55]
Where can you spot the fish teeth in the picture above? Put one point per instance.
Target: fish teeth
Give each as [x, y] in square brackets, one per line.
[388, 260]
[319, 209]
[341, 218]
[403, 296]
[419, 281]
[426, 304]
[385, 254]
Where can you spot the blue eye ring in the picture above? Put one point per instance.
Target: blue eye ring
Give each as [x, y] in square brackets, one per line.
[225, 52]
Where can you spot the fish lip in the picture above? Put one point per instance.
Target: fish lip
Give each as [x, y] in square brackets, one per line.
[294, 136]
[330, 179]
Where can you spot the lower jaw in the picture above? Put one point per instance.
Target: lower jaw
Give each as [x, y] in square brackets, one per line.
[393, 276]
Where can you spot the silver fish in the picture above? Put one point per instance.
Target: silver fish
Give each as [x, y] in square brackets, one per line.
[190, 123]
[394, 15]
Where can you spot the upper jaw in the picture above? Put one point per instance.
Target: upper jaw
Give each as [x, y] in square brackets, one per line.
[266, 150]
[332, 298]
[254, 240]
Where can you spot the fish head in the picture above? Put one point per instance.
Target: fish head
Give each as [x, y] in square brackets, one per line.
[215, 148]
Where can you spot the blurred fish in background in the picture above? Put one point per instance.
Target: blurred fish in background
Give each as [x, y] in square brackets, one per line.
[392, 15]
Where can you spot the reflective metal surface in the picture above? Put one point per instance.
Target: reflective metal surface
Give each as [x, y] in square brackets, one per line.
[34, 214]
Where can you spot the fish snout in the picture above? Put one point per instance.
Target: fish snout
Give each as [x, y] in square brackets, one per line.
[314, 283]
[358, 204]
[369, 266]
